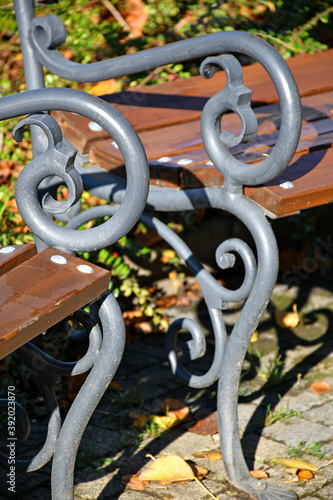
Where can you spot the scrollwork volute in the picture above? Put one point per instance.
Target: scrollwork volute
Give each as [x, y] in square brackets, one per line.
[58, 160]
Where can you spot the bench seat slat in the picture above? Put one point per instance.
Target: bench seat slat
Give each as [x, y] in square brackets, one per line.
[312, 178]
[182, 139]
[181, 101]
[38, 293]
[15, 257]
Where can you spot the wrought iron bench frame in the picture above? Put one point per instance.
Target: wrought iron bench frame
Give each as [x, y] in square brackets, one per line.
[39, 39]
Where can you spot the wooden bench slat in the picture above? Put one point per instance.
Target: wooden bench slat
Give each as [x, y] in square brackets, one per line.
[181, 101]
[184, 138]
[14, 255]
[312, 178]
[38, 293]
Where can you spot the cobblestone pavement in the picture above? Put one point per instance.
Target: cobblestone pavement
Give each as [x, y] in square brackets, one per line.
[112, 448]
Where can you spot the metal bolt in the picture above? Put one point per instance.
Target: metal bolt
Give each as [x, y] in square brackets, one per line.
[184, 161]
[83, 268]
[257, 485]
[164, 159]
[59, 259]
[95, 127]
[227, 260]
[7, 249]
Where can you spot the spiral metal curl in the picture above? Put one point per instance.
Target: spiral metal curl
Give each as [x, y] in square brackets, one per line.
[58, 159]
[236, 97]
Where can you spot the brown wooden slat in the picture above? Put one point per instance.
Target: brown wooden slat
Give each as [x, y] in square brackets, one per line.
[37, 294]
[16, 256]
[185, 138]
[312, 178]
[181, 101]
[198, 173]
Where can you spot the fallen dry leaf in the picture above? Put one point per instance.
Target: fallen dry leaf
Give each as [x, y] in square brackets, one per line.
[165, 423]
[115, 386]
[304, 475]
[288, 319]
[141, 421]
[136, 16]
[320, 388]
[297, 463]
[259, 474]
[167, 470]
[255, 337]
[175, 408]
[199, 472]
[210, 454]
[133, 482]
[207, 425]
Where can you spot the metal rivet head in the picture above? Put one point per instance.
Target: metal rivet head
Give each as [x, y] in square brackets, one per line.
[257, 485]
[83, 268]
[95, 127]
[115, 145]
[184, 161]
[164, 159]
[209, 162]
[7, 249]
[59, 259]
[286, 184]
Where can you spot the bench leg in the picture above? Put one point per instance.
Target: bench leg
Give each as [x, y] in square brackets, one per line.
[103, 357]
[87, 399]
[255, 291]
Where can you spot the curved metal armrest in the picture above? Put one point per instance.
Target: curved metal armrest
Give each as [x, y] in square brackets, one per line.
[47, 33]
[58, 160]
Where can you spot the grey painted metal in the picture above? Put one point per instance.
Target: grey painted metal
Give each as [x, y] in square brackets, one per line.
[49, 32]
[33, 69]
[90, 394]
[58, 160]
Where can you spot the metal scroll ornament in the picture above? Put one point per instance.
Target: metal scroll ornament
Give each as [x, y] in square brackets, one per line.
[58, 160]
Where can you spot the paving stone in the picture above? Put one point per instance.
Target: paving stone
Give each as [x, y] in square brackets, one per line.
[145, 374]
[322, 414]
[294, 429]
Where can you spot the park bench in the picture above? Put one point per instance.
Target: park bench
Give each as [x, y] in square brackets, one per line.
[167, 119]
[184, 176]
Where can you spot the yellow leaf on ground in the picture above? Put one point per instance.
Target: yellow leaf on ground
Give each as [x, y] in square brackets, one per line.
[296, 462]
[167, 470]
[115, 386]
[288, 319]
[210, 454]
[165, 423]
[173, 469]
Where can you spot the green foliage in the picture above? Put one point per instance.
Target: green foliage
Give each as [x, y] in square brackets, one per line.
[271, 370]
[279, 414]
[314, 449]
